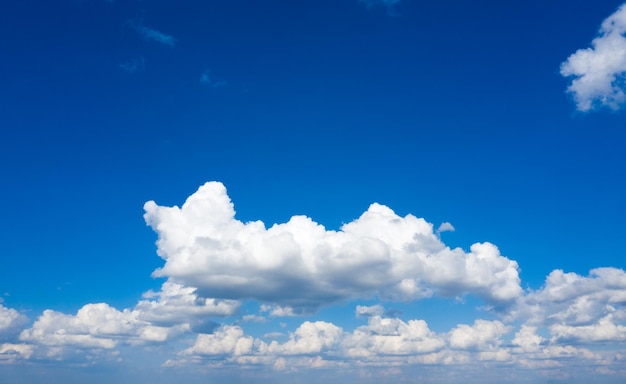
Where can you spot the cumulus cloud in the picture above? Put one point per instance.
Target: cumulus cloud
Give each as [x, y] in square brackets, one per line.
[600, 71]
[483, 335]
[301, 265]
[94, 326]
[386, 342]
[227, 340]
[177, 304]
[365, 311]
[389, 336]
[10, 322]
[572, 299]
[9, 353]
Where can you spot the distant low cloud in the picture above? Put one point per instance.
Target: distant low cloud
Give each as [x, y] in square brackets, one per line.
[599, 72]
[10, 322]
[154, 35]
[302, 266]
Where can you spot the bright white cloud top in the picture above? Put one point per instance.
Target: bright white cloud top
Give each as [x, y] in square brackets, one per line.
[600, 72]
[302, 265]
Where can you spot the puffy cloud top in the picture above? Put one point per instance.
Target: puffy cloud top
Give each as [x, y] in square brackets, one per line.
[599, 72]
[301, 265]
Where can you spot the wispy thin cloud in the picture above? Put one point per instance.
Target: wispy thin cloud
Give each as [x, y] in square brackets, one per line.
[599, 72]
[154, 35]
[207, 79]
[133, 65]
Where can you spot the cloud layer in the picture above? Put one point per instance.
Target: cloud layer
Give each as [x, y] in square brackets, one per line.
[215, 264]
[599, 72]
[300, 264]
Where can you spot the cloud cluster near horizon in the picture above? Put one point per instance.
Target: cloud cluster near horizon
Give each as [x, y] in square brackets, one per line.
[599, 72]
[215, 263]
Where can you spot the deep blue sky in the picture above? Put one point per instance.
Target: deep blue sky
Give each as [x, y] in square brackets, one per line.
[453, 111]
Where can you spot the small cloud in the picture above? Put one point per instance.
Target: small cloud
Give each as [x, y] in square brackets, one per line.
[273, 335]
[445, 227]
[365, 311]
[153, 34]
[208, 80]
[600, 72]
[133, 65]
[253, 319]
[278, 311]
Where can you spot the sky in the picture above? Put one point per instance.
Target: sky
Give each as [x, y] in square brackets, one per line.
[282, 191]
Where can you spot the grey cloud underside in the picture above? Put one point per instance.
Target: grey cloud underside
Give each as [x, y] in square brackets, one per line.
[302, 265]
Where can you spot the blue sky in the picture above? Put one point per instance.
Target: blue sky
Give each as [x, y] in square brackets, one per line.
[430, 190]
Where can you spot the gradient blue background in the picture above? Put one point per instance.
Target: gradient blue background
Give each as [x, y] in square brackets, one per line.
[450, 110]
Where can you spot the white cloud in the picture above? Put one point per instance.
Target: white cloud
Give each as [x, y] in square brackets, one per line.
[365, 311]
[277, 310]
[178, 304]
[445, 227]
[600, 72]
[482, 336]
[571, 299]
[97, 326]
[11, 352]
[227, 340]
[309, 338]
[300, 264]
[387, 336]
[154, 35]
[10, 321]
[527, 339]
[603, 330]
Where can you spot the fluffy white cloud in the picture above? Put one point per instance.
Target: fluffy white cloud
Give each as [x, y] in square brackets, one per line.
[386, 342]
[94, 326]
[10, 321]
[572, 299]
[227, 340]
[600, 72]
[300, 264]
[482, 336]
[386, 336]
[177, 304]
[11, 352]
[603, 330]
[445, 227]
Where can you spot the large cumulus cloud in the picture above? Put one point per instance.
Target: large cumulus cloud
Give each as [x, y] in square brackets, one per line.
[300, 264]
